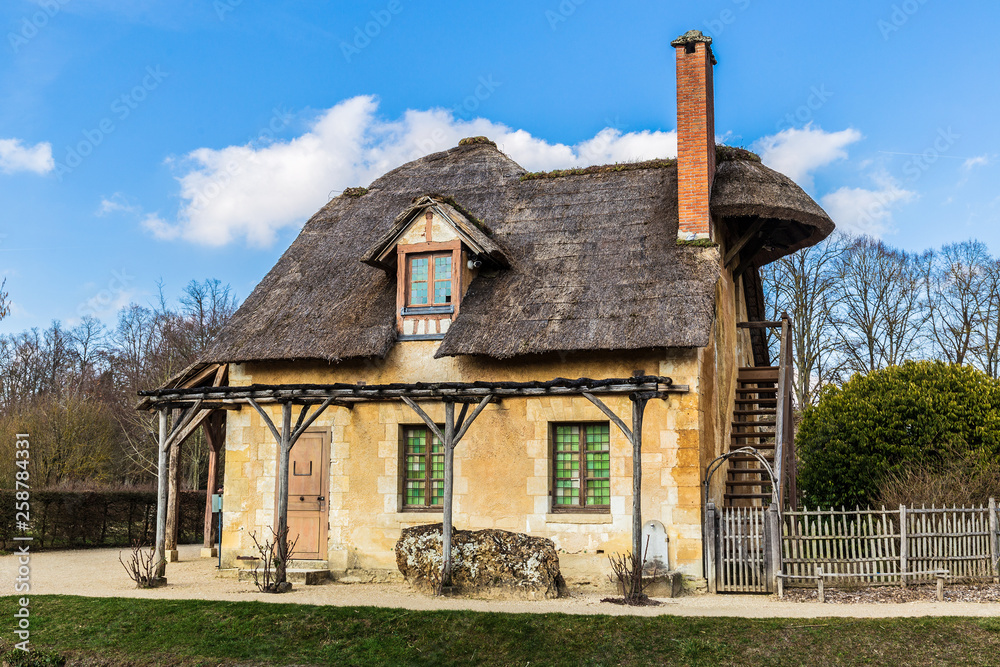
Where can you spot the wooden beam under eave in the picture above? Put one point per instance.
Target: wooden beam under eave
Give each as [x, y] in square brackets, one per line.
[753, 230]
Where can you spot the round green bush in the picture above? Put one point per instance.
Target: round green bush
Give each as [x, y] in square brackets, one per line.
[918, 414]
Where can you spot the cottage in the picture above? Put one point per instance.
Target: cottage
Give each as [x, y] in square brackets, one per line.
[459, 282]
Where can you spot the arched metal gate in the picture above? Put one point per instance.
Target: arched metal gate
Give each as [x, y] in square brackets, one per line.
[742, 544]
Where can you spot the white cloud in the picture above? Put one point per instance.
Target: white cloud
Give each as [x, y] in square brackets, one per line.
[117, 203]
[864, 211]
[978, 161]
[254, 190]
[797, 152]
[15, 156]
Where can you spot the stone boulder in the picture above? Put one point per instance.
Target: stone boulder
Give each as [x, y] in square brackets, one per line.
[485, 563]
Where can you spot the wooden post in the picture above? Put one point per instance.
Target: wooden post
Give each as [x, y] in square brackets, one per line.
[940, 586]
[284, 450]
[449, 495]
[711, 547]
[173, 495]
[904, 547]
[772, 546]
[214, 435]
[783, 413]
[819, 584]
[161, 497]
[638, 407]
[994, 541]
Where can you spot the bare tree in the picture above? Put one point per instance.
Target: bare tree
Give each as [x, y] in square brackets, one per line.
[957, 297]
[804, 285]
[879, 311]
[987, 353]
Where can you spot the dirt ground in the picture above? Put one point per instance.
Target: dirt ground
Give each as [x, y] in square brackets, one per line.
[97, 573]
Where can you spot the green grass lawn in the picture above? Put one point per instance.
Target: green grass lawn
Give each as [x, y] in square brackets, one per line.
[114, 631]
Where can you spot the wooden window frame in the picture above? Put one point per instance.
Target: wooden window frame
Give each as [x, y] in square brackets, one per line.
[431, 281]
[428, 478]
[403, 284]
[581, 444]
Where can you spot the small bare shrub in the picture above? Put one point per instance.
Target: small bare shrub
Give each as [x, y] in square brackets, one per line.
[954, 481]
[141, 565]
[627, 576]
[269, 574]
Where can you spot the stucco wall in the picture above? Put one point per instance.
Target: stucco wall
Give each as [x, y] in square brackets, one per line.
[502, 466]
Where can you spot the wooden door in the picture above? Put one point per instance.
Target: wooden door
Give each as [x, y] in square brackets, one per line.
[308, 489]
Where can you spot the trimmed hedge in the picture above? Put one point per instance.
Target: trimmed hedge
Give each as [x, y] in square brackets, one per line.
[917, 415]
[81, 519]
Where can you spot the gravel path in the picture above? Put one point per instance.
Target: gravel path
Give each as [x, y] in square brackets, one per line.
[97, 573]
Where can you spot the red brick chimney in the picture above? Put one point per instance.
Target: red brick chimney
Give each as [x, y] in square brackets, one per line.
[695, 134]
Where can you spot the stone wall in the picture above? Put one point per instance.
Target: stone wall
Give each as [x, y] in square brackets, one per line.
[502, 466]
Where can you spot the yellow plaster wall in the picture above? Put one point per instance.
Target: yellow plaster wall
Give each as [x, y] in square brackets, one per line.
[502, 466]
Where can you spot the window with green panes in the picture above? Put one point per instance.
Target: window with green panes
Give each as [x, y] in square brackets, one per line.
[581, 467]
[423, 469]
[429, 282]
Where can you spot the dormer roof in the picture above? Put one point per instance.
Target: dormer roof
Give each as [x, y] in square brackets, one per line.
[473, 233]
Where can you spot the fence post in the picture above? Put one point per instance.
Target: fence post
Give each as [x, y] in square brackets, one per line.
[772, 545]
[819, 584]
[711, 547]
[904, 546]
[994, 541]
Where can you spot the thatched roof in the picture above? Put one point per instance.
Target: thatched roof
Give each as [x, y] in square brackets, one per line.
[593, 262]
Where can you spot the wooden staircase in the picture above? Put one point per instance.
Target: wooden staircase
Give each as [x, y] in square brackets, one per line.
[755, 418]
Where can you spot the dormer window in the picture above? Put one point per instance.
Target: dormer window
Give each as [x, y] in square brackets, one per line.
[435, 251]
[429, 282]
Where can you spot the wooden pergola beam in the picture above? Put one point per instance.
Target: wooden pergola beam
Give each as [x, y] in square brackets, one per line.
[458, 392]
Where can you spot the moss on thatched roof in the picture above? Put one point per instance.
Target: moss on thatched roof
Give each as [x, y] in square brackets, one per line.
[725, 153]
[601, 169]
[355, 192]
[477, 141]
[594, 262]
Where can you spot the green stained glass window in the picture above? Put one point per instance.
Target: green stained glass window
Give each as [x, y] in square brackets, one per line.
[581, 466]
[429, 280]
[423, 468]
[418, 280]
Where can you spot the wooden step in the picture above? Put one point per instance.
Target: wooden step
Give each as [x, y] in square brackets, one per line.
[758, 401]
[743, 458]
[756, 390]
[747, 496]
[762, 422]
[747, 482]
[754, 413]
[759, 374]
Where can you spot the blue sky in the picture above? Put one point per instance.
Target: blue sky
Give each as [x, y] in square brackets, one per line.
[160, 141]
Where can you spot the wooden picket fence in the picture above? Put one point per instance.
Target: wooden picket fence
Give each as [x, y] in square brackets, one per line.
[874, 547]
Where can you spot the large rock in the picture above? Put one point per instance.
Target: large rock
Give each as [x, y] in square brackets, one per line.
[485, 563]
